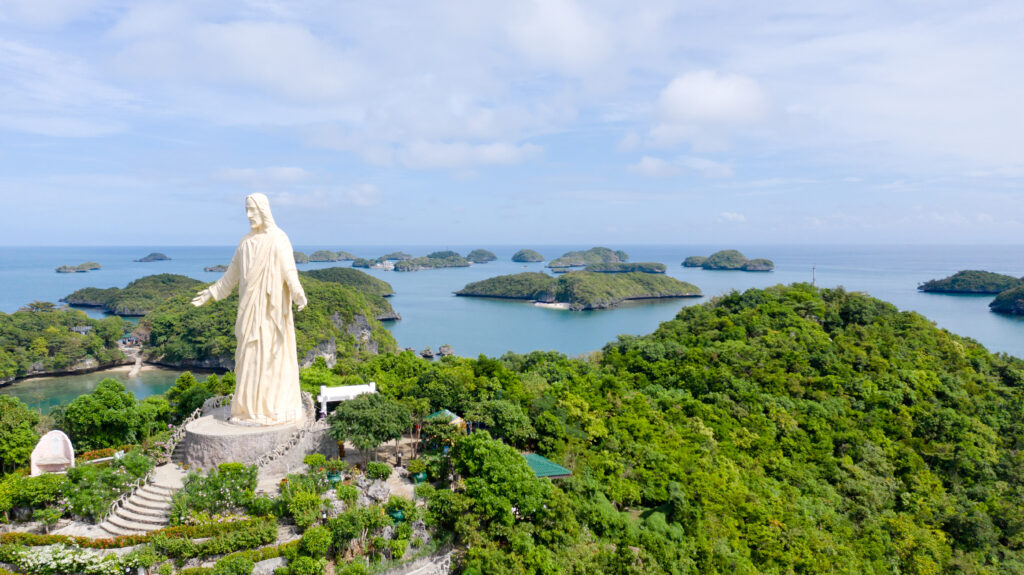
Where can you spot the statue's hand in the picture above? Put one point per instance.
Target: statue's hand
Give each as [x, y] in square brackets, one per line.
[301, 302]
[202, 298]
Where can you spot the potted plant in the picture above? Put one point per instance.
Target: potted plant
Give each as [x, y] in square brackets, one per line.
[335, 467]
[417, 470]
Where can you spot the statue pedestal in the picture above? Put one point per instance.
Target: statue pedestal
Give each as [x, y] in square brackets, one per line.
[211, 440]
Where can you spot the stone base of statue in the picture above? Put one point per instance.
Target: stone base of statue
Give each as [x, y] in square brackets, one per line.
[213, 439]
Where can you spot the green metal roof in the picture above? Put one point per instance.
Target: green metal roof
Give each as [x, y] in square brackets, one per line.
[544, 467]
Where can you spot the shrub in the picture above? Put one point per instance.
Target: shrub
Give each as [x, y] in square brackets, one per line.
[314, 460]
[378, 470]
[417, 466]
[143, 556]
[397, 547]
[344, 528]
[234, 565]
[307, 566]
[352, 568]
[262, 506]
[316, 542]
[305, 509]
[48, 517]
[165, 569]
[406, 506]
[230, 486]
[41, 491]
[347, 493]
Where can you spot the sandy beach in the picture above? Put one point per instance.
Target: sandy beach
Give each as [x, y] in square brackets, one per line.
[556, 305]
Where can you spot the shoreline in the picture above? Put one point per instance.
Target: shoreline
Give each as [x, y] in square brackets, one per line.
[553, 305]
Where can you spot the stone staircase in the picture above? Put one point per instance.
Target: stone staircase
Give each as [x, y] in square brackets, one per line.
[149, 508]
[178, 455]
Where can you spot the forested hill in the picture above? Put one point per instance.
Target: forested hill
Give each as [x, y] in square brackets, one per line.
[785, 430]
[820, 431]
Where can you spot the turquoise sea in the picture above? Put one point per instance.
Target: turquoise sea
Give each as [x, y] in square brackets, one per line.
[432, 316]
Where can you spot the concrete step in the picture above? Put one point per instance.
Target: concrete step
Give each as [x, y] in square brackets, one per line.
[161, 506]
[155, 520]
[114, 530]
[135, 506]
[155, 495]
[132, 526]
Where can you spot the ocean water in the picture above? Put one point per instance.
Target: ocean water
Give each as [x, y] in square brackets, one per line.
[432, 315]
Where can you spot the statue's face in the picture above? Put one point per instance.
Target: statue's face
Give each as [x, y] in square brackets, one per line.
[255, 217]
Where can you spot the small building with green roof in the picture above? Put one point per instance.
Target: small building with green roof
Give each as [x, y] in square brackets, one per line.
[544, 467]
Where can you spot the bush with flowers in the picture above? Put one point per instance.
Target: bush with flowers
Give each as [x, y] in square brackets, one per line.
[229, 487]
[94, 488]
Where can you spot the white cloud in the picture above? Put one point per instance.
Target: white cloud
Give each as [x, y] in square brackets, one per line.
[734, 217]
[428, 155]
[358, 195]
[560, 33]
[261, 178]
[653, 167]
[706, 97]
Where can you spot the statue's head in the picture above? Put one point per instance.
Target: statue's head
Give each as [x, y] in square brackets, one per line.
[257, 208]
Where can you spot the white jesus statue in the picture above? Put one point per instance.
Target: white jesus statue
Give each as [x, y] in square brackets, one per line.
[266, 364]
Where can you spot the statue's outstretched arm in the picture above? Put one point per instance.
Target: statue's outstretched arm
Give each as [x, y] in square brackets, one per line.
[223, 287]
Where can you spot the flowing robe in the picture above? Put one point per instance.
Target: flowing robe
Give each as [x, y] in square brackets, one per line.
[266, 362]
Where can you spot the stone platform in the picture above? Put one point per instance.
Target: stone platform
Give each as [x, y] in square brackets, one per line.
[211, 440]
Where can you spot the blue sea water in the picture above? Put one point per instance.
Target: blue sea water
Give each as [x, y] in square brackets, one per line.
[432, 316]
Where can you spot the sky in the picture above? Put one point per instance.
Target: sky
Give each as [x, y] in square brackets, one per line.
[518, 123]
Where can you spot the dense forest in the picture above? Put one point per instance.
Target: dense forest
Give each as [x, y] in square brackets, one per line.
[972, 281]
[581, 290]
[622, 267]
[39, 339]
[526, 256]
[596, 255]
[137, 298]
[433, 260]
[729, 260]
[481, 256]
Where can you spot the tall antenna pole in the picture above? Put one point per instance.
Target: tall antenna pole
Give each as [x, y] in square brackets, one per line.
[814, 275]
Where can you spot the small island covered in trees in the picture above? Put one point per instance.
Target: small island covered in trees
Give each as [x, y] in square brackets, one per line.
[137, 298]
[622, 267]
[729, 260]
[80, 268]
[581, 290]
[480, 256]
[329, 256]
[972, 281]
[527, 256]
[598, 255]
[154, 257]
[217, 268]
[433, 260]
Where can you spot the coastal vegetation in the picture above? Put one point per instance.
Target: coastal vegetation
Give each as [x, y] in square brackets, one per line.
[329, 256]
[82, 267]
[527, 256]
[137, 298]
[396, 256]
[972, 281]
[44, 339]
[729, 260]
[1010, 301]
[363, 282]
[480, 256]
[154, 257]
[581, 290]
[596, 255]
[362, 263]
[433, 260]
[621, 268]
[300, 257]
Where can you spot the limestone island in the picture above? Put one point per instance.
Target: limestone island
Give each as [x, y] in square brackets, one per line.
[581, 290]
[154, 257]
[481, 256]
[623, 268]
[729, 260]
[596, 255]
[329, 256]
[432, 261]
[300, 257]
[137, 298]
[527, 256]
[1010, 301]
[972, 281]
[217, 268]
[80, 268]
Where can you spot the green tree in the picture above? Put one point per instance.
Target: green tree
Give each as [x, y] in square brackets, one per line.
[110, 416]
[369, 420]
[17, 432]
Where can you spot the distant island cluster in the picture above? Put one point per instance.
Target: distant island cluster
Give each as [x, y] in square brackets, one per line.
[1009, 290]
[91, 266]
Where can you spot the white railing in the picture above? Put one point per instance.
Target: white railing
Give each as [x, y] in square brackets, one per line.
[120, 501]
[308, 424]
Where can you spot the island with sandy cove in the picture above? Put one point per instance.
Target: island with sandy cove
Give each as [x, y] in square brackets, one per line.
[972, 281]
[729, 260]
[527, 256]
[598, 255]
[154, 257]
[580, 290]
[80, 268]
